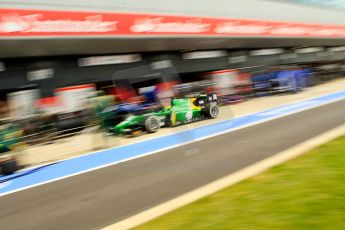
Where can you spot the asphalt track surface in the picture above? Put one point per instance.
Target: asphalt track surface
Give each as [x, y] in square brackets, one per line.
[99, 198]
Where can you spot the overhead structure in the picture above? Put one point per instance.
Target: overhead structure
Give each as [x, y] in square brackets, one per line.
[57, 43]
[41, 28]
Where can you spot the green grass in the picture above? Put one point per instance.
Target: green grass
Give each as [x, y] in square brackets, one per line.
[305, 193]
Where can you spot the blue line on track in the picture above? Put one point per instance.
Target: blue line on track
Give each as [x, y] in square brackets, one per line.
[76, 165]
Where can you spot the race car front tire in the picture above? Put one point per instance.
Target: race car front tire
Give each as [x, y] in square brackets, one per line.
[8, 167]
[152, 124]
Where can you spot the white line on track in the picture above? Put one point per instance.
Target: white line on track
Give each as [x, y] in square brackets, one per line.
[227, 181]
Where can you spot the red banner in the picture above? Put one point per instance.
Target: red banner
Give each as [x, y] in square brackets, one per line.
[20, 22]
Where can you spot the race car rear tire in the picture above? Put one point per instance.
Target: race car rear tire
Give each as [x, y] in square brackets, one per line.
[211, 111]
[8, 167]
[152, 124]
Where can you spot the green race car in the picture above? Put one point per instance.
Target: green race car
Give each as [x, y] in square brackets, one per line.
[181, 111]
[10, 137]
